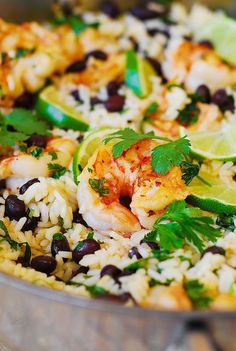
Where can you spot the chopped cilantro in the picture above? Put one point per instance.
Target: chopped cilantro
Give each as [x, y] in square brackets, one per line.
[22, 52]
[189, 170]
[97, 185]
[197, 293]
[53, 154]
[190, 113]
[6, 236]
[152, 108]
[76, 23]
[90, 235]
[180, 223]
[226, 221]
[31, 213]
[96, 290]
[141, 263]
[57, 170]
[37, 152]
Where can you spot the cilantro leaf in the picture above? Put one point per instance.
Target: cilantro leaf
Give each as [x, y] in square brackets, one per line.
[37, 152]
[6, 236]
[26, 122]
[226, 221]
[189, 170]
[53, 155]
[97, 185]
[8, 138]
[190, 113]
[127, 137]
[179, 224]
[152, 108]
[57, 170]
[165, 156]
[197, 293]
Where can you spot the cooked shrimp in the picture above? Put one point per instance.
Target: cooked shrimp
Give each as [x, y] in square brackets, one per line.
[196, 64]
[130, 175]
[24, 165]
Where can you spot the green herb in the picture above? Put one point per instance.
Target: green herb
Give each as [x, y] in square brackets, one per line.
[180, 223]
[27, 251]
[8, 138]
[57, 170]
[175, 85]
[79, 245]
[22, 52]
[23, 147]
[6, 236]
[53, 154]
[76, 23]
[61, 222]
[90, 235]
[4, 57]
[189, 171]
[37, 152]
[154, 282]
[96, 290]
[1, 92]
[90, 170]
[164, 157]
[190, 113]
[58, 236]
[161, 255]
[197, 294]
[141, 263]
[97, 185]
[226, 221]
[31, 213]
[171, 154]
[80, 168]
[184, 258]
[152, 108]
[26, 122]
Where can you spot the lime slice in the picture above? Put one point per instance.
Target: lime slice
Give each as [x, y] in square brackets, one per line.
[221, 31]
[138, 73]
[50, 106]
[86, 149]
[219, 145]
[217, 197]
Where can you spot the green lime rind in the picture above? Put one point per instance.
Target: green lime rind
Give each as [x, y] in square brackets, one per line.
[211, 205]
[86, 149]
[57, 114]
[221, 31]
[138, 73]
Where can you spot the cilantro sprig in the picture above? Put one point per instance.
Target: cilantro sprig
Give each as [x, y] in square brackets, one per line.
[163, 157]
[98, 186]
[179, 224]
[24, 124]
[198, 294]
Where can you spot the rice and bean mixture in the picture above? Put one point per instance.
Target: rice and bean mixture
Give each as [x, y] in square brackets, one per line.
[44, 236]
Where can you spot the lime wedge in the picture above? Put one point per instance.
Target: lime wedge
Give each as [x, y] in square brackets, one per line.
[217, 197]
[138, 73]
[86, 149]
[50, 106]
[221, 31]
[219, 145]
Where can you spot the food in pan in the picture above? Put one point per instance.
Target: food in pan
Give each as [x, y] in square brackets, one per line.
[117, 155]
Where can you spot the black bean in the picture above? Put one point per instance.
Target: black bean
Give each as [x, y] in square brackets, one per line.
[77, 66]
[157, 68]
[113, 87]
[82, 269]
[44, 264]
[97, 54]
[110, 9]
[127, 273]
[22, 261]
[223, 101]
[153, 246]
[26, 186]
[78, 218]
[207, 43]
[155, 31]
[76, 96]
[134, 252]
[110, 270]
[30, 224]
[37, 140]
[59, 243]
[26, 100]
[143, 13]
[3, 184]
[204, 92]
[14, 208]
[95, 101]
[215, 250]
[115, 103]
[85, 247]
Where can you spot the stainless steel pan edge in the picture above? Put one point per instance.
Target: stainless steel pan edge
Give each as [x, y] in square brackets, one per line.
[39, 319]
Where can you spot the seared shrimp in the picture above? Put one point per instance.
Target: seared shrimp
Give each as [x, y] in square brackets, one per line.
[196, 64]
[105, 181]
[24, 165]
